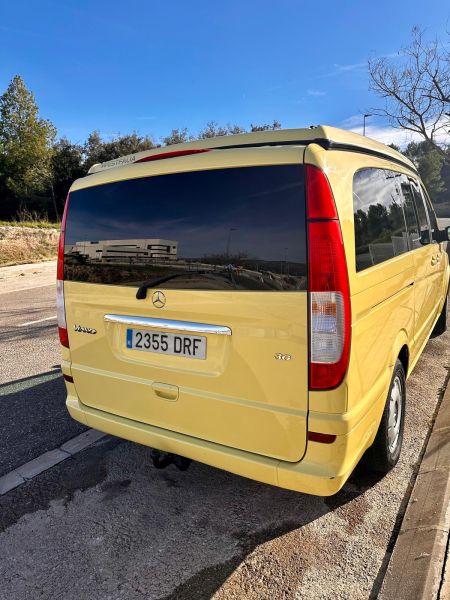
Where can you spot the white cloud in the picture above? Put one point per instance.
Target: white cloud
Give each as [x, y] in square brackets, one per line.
[359, 67]
[345, 68]
[385, 134]
[339, 69]
[316, 93]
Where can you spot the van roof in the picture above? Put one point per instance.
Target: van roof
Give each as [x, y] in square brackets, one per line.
[330, 138]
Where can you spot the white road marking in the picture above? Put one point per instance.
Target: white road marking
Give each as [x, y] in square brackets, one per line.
[46, 461]
[28, 382]
[37, 321]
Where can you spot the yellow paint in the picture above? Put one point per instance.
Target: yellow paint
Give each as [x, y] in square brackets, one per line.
[240, 409]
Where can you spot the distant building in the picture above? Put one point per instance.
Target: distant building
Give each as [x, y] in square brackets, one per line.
[138, 250]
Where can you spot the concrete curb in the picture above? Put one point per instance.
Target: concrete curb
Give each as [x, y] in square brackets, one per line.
[48, 460]
[416, 568]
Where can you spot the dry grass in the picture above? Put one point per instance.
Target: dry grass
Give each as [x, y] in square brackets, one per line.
[34, 224]
[19, 245]
[30, 218]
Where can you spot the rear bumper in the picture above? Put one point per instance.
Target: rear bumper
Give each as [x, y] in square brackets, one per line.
[323, 470]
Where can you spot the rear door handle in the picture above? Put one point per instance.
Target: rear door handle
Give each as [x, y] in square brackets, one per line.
[165, 390]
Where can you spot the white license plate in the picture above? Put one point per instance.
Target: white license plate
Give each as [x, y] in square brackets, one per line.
[176, 344]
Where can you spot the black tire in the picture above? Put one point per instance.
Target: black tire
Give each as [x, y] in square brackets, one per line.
[441, 323]
[383, 455]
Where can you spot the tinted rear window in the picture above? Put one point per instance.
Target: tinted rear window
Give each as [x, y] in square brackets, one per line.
[227, 229]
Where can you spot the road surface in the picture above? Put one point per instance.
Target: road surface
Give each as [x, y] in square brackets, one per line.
[33, 417]
[106, 525]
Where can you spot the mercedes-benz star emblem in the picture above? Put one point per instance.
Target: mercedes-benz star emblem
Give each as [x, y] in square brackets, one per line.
[158, 299]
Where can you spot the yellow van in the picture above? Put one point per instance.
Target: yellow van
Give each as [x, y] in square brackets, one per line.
[253, 302]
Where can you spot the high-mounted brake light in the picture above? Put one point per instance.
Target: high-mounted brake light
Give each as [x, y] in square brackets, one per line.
[60, 305]
[172, 154]
[329, 294]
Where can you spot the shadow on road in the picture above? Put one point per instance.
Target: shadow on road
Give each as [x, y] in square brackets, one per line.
[178, 536]
[298, 509]
[33, 418]
[10, 333]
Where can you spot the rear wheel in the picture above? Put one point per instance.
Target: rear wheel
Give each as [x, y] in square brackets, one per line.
[441, 323]
[385, 451]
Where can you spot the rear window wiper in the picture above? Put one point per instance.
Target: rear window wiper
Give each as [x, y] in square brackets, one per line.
[141, 294]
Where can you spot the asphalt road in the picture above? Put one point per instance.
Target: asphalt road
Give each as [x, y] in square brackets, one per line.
[33, 417]
[105, 524]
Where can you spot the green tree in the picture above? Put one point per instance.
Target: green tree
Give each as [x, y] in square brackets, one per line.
[377, 220]
[97, 150]
[212, 129]
[430, 165]
[26, 143]
[67, 165]
[93, 149]
[396, 218]
[361, 228]
[177, 136]
[266, 126]
[430, 168]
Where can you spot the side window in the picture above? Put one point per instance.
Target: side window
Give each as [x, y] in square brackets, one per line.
[380, 229]
[411, 216]
[422, 213]
[431, 213]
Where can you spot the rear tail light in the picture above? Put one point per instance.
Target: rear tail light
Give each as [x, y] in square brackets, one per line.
[329, 295]
[60, 305]
[172, 154]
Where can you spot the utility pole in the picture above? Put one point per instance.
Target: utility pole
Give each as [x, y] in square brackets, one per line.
[364, 121]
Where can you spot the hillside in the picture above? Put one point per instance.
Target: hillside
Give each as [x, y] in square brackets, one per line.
[19, 245]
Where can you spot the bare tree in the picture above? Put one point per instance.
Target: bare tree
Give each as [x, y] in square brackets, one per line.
[416, 91]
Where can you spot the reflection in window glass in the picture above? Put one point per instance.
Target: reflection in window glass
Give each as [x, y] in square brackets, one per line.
[380, 229]
[224, 229]
[431, 214]
[411, 217]
[422, 213]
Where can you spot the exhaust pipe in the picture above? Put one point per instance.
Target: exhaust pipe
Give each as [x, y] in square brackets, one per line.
[161, 460]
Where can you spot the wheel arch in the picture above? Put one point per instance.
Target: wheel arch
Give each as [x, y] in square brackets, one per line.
[403, 357]
[401, 352]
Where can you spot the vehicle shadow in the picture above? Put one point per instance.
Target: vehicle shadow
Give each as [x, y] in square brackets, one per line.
[266, 520]
[33, 418]
[174, 535]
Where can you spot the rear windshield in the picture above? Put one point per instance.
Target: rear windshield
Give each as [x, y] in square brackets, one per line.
[227, 229]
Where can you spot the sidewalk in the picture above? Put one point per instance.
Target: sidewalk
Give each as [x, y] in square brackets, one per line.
[27, 276]
[420, 564]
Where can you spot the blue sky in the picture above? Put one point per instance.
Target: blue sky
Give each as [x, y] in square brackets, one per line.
[152, 66]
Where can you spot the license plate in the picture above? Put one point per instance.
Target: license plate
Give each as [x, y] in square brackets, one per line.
[176, 344]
